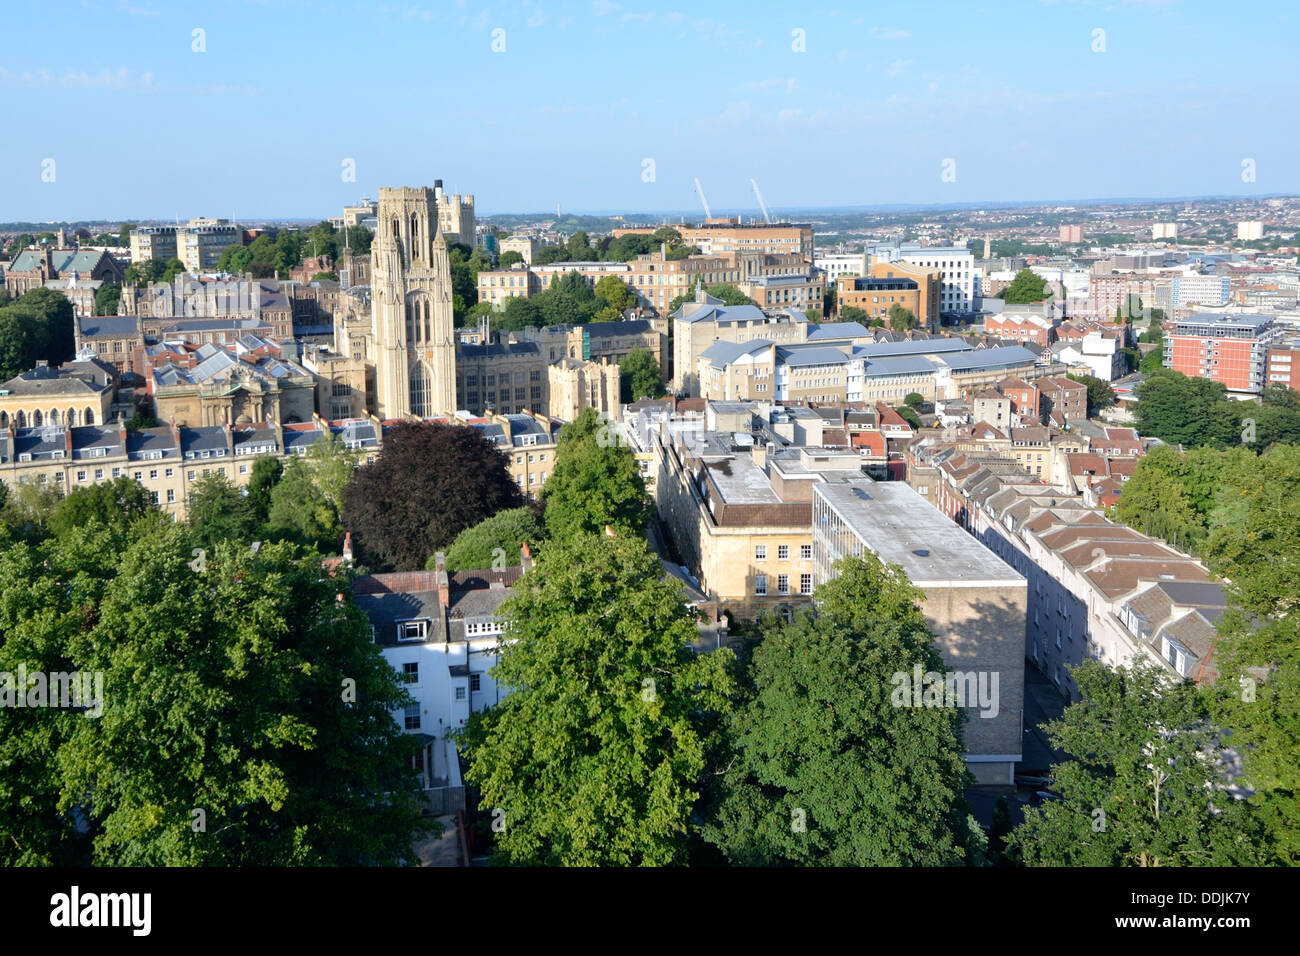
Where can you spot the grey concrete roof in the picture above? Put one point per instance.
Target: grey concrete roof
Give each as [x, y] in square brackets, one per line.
[902, 528]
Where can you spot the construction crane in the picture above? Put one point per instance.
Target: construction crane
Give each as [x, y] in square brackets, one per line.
[703, 202]
[761, 205]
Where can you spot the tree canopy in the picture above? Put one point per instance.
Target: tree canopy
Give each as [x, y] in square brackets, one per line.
[495, 539]
[1027, 286]
[239, 714]
[639, 376]
[597, 757]
[429, 483]
[595, 482]
[1134, 792]
[826, 769]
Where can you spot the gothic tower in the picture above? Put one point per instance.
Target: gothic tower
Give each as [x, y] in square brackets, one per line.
[411, 314]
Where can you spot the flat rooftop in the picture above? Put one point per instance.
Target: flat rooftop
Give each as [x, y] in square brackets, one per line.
[902, 528]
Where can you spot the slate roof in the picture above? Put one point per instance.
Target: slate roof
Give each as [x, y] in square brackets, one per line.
[63, 260]
[913, 347]
[626, 327]
[108, 326]
[797, 358]
[836, 330]
[53, 382]
[721, 354]
[990, 358]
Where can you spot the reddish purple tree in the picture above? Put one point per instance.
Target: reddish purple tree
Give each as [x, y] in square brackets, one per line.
[429, 483]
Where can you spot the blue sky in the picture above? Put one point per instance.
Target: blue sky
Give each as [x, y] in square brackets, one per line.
[261, 122]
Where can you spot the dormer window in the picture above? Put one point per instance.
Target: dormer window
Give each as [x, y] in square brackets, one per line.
[412, 630]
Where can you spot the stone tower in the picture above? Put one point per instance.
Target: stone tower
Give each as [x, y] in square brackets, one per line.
[411, 313]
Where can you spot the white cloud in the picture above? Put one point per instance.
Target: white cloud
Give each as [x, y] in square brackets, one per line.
[604, 7]
[890, 33]
[898, 67]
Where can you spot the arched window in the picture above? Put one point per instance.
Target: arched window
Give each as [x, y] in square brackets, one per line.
[72, 417]
[422, 400]
[410, 322]
[88, 417]
[20, 419]
[4, 419]
[54, 417]
[428, 326]
[36, 419]
[415, 237]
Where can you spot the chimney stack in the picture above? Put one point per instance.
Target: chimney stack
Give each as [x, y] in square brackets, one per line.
[525, 558]
[347, 547]
[444, 583]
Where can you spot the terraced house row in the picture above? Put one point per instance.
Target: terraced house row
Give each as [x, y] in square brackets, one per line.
[167, 460]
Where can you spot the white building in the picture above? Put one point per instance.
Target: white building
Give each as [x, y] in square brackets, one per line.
[440, 632]
[961, 281]
[1102, 355]
[1164, 230]
[1248, 231]
[841, 264]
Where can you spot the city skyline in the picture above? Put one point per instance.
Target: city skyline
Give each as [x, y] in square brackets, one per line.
[886, 108]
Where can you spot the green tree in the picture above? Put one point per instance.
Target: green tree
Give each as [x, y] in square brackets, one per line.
[1187, 411]
[1027, 286]
[430, 482]
[639, 376]
[307, 502]
[38, 325]
[495, 539]
[517, 314]
[909, 415]
[24, 339]
[901, 319]
[114, 504]
[1143, 787]
[1100, 394]
[595, 482]
[1157, 500]
[267, 471]
[246, 690]
[851, 313]
[107, 297]
[829, 769]
[597, 757]
[615, 292]
[172, 269]
[1255, 547]
[1153, 361]
[725, 291]
[508, 259]
[218, 511]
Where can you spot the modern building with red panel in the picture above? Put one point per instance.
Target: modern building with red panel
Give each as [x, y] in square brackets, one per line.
[1232, 349]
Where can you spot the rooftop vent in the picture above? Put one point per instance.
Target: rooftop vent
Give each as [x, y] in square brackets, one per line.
[921, 552]
[862, 494]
